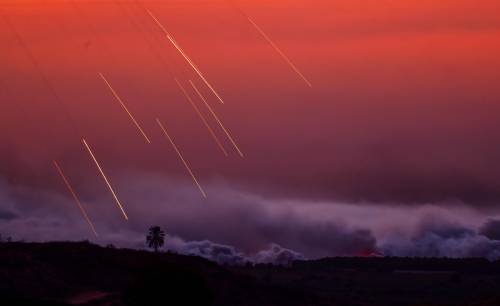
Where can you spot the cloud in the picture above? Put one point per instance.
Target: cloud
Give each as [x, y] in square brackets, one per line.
[222, 254]
[233, 226]
[232, 216]
[277, 255]
[318, 238]
[491, 229]
[228, 255]
[438, 237]
[7, 215]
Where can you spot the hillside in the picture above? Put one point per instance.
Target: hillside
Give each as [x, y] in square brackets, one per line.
[80, 273]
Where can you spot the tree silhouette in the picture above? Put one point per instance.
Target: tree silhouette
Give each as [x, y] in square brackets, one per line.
[155, 238]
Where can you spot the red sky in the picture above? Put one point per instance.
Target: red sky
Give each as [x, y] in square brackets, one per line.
[404, 105]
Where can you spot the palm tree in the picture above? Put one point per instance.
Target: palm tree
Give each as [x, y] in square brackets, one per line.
[155, 238]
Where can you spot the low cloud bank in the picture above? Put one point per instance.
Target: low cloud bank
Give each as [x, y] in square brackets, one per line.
[234, 227]
[433, 237]
[436, 237]
[228, 255]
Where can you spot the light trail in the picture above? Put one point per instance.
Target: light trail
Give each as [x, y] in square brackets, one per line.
[75, 197]
[176, 45]
[188, 168]
[105, 179]
[283, 55]
[216, 118]
[197, 110]
[117, 97]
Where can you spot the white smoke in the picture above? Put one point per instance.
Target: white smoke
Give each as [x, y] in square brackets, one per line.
[228, 255]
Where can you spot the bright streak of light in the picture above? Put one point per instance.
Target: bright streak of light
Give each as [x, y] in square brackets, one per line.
[287, 60]
[197, 110]
[105, 179]
[75, 197]
[117, 97]
[216, 118]
[176, 45]
[182, 158]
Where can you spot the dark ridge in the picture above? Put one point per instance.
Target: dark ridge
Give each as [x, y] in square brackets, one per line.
[81, 273]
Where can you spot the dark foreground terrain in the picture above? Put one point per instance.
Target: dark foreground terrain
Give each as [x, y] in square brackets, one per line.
[86, 274]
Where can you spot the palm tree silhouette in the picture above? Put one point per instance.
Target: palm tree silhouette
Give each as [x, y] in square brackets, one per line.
[155, 238]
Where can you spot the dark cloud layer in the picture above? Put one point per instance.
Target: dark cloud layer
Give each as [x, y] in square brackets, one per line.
[491, 229]
[233, 226]
[437, 237]
[318, 238]
[7, 215]
[231, 217]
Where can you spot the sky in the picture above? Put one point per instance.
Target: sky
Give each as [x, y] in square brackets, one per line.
[400, 123]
